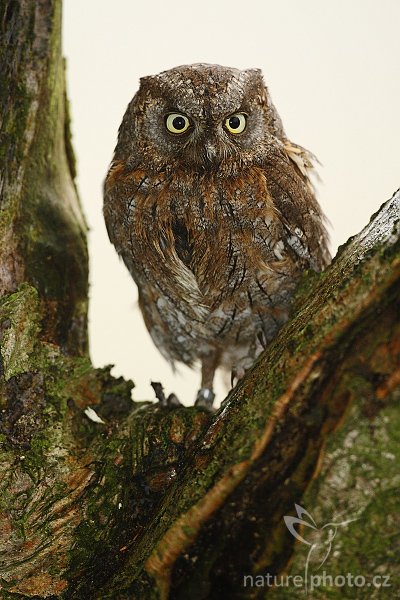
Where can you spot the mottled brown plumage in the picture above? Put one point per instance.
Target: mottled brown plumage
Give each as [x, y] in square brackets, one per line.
[214, 223]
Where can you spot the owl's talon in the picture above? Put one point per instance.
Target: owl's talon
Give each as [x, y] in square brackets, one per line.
[159, 392]
[173, 400]
[261, 339]
[236, 374]
[232, 378]
[205, 398]
[169, 402]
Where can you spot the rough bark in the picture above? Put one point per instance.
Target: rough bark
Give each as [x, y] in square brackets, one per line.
[42, 228]
[176, 503]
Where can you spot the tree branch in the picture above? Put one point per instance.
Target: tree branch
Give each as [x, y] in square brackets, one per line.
[42, 228]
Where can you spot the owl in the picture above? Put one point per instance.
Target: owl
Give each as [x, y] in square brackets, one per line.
[212, 210]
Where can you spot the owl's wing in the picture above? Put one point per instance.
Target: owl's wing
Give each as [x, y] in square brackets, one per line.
[288, 171]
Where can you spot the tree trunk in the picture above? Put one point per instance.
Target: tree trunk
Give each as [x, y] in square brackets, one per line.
[157, 503]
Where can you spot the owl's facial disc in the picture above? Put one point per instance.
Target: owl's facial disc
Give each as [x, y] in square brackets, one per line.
[204, 140]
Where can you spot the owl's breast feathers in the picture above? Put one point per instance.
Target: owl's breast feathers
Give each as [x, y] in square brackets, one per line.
[216, 260]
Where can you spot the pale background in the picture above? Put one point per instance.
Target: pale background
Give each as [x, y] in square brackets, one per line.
[333, 68]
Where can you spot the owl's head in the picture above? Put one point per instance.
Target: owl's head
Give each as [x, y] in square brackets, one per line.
[200, 117]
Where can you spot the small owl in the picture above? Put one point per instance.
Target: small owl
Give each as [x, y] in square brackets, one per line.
[212, 210]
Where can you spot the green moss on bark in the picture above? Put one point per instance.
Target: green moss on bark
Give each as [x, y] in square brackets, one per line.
[19, 325]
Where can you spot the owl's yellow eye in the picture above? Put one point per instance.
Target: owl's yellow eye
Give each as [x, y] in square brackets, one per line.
[236, 123]
[177, 123]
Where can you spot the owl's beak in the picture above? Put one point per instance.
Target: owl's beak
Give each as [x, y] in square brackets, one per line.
[211, 153]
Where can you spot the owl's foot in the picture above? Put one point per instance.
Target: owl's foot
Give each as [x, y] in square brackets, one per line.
[205, 398]
[262, 339]
[170, 401]
[236, 374]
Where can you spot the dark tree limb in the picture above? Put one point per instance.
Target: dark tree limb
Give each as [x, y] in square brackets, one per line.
[150, 502]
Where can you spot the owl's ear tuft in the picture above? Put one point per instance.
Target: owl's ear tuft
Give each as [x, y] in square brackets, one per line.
[255, 74]
[256, 81]
[254, 71]
[146, 80]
